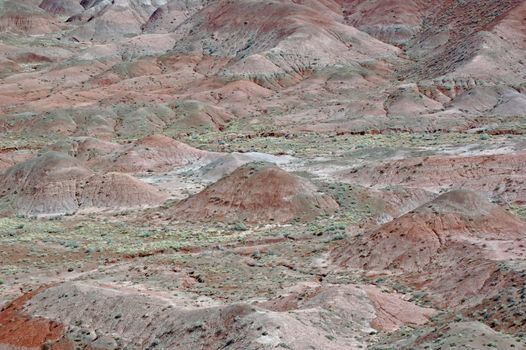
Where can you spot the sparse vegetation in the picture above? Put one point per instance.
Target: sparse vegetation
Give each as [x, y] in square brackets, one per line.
[391, 220]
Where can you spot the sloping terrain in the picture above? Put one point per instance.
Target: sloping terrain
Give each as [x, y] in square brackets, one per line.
[170, 326]
[153, 153]
[453, 248]
[417, 239]
[257, 192]
[388, 21]
[311, 51]
[20, 17]
[499, 176]
[262, 174]
[56, 184]
[62, 7]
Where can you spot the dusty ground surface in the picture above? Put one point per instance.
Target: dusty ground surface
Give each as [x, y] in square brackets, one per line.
[262, 174]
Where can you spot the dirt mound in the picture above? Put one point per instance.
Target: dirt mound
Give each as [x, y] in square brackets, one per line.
[153, 153]
[43, 185]
[56, 184]
[110, 316]
[408, 100]
[257, 192]
[168, 17]
[198, 116]
[426, 236]
[108, 20]
[500, 176]
[116, 191]
[87, 149]
[390, 310]
[459, 232]
[227, 164]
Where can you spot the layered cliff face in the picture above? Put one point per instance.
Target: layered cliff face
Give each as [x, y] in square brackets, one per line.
[262, 174]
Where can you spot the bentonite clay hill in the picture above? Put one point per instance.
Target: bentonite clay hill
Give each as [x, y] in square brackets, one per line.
[146, 321]
[428, 236]
[257, 193]
[149, 154]
[451, 247]
[262, 174]
[57, 184]
[421, 66]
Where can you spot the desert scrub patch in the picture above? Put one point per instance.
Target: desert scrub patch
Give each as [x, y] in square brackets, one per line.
[12, 269]
[355, 205]
[518, 210]
[174, 239]
[18, 229]
[239, 227]
[307, 144]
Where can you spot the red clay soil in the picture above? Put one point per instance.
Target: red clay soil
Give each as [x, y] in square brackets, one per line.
[447, 36]
[452, 35]
[392, 312]
[17, 17]
[154, 153]
[61, 7]
[116, 190]
[55, 183]
[256, 193]
[451, 247]
[504, 311]
[426, 236]
[19, 330]
[499, 175]
[387, 20]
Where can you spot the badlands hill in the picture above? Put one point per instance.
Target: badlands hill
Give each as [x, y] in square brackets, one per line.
[425, 238]
[170, 326]
[56, 184]
[257, 192]
[452, 248]
[420, 66]
[262, 174]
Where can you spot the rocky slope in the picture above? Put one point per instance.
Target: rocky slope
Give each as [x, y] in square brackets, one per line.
[262, 174]
[257, 192]
[56, 184]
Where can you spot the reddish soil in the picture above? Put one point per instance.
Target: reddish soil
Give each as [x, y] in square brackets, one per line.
[153, 153]
[19, 329]
[450, 246]
[256, 193]
[55, 184]
[415, 240]
[500, 176]
[262, 174]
